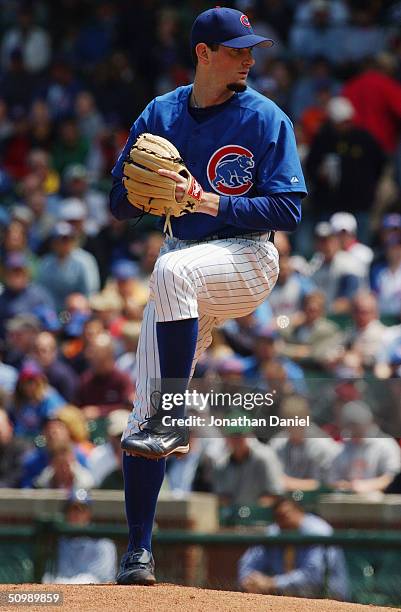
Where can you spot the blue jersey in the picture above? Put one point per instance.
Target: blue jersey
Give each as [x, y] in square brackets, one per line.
[244, 150]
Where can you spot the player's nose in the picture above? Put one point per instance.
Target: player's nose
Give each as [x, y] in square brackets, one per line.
[248, 60]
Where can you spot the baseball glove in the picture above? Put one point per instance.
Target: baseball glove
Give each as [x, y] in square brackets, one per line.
[151, 191]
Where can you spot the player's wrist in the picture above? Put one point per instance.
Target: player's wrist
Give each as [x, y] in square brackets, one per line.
[209, 204]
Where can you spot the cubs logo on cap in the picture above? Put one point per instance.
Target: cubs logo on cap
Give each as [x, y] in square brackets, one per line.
[229, 170]
[227, 27]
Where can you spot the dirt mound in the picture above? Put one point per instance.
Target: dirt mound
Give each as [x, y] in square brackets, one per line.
[167, 598]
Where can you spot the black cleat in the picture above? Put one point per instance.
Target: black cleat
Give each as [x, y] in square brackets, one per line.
[137, 567]
[156, 440]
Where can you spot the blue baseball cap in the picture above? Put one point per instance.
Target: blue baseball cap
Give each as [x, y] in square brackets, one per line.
[227, 27]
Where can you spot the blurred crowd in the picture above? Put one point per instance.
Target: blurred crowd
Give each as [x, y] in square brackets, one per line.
[74, 280]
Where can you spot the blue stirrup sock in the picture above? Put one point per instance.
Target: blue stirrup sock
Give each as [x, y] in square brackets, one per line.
[143, 479]
[176, 342]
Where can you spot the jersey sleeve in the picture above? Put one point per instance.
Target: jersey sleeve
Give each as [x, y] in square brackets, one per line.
[279, 168]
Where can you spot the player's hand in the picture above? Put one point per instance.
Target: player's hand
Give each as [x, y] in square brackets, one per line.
[182, 182]
[210, 201]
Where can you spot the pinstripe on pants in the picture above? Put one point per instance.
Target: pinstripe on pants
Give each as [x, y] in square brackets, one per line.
[213, 280]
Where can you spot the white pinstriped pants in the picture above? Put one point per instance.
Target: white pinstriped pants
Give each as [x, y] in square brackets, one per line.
[213, 280]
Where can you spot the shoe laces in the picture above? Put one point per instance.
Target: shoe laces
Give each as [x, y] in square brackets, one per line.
[155, 398]
[134, 556]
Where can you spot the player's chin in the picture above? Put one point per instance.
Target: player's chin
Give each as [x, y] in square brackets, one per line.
[238, 86]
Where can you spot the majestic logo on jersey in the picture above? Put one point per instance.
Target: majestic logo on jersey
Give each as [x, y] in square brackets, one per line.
[229, 170]
[245, 21]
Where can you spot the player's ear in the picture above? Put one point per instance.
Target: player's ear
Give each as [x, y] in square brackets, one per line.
[203, 53]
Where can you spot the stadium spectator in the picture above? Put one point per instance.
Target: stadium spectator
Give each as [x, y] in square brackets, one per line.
[15, 240]
[337, 274]
[385, 277]
[148, 254]
[365, 36]
[103, 388]
[78, 429]
[34, 401]
[21, 332]
[70, 147]
[63, 472]
[249, 473]
[305, 93]
[239, 333]
[14, 159]
[126, 362]
[20, 294]
[369, 459]
[306, 452]
[81, 331]
[90, 120]
[59, 374]
[105, 461]
[6, 127]
[344, 165]
[345, 225]
[319, 31]
[304, 571]
[39, 161]
[366, 335]
[11, 453]
[108, 306]
[314, 339]
[267, 350]
[113, 242]
[42, 132]
[8, 375]
[314, 116]
[82, 559]
[73, 210]
[128, 287]
[56, 434]
[77, 185]
[32, 41]
[67, 269]
[42, 223]
[289, 291]
[376, 97]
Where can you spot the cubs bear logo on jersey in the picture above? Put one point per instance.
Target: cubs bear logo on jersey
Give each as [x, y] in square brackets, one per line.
[229, 170]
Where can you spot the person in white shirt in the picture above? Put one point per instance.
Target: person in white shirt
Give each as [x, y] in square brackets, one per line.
[345, 226]
[370, 459]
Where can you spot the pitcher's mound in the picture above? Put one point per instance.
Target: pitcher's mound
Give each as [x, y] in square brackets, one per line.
[168, 598]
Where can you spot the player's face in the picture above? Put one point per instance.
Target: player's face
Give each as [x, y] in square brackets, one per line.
[231, 67]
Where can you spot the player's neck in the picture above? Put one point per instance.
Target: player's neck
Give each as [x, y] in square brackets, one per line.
[204, 95]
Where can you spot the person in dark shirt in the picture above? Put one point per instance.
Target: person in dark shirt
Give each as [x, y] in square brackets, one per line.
[344, 164]
[103, 387]
[59, 374]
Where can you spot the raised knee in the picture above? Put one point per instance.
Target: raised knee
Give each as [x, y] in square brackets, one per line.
[169, 267]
